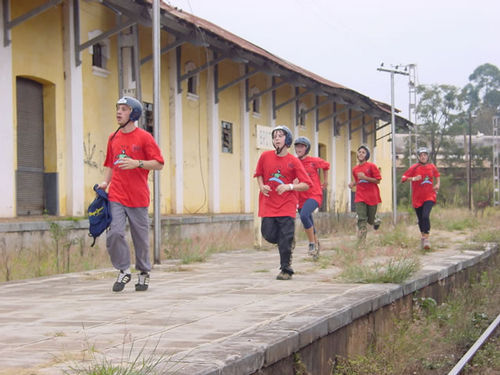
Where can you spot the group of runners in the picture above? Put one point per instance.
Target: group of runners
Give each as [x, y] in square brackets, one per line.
[287, 183]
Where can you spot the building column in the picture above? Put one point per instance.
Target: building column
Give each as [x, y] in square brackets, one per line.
[333, 175]
[176, 138]
[7, 149]
[214, 141]
[245, 145]
[349, 168]
[74, 155]
[315, 151]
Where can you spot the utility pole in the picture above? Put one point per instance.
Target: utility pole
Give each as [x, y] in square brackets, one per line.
[156, 126]
[496, 159]
[469, 164]
[392, 71]
[412, 114]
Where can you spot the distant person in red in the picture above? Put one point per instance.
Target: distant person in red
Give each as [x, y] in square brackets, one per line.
[276, 170]
[311, 199]
[425, 180]
[366, 179]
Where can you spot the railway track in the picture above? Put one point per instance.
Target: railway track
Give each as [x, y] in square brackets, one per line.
[474, 348]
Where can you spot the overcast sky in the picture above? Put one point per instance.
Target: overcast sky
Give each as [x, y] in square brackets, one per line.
[346, 40]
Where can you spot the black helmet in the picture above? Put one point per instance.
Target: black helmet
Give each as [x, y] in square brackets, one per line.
[303, 141]
[134, 105]
[367, 151]
[288, 134]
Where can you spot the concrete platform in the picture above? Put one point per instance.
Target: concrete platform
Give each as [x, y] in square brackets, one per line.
[226, 316]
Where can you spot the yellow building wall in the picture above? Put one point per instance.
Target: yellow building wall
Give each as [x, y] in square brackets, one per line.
[99, 95]
[342, 192]
[261, 82]
[145, 46]
[195, 135]
[384, 162]
[37, 54]
[285, 115]
[325, 138]
[324, 131]
[308, 129]
[230, 109]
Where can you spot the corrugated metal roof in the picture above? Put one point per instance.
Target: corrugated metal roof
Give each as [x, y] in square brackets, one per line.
[219, 32]
[222, 33]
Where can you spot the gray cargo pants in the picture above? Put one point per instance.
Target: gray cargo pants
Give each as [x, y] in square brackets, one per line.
[116, 242]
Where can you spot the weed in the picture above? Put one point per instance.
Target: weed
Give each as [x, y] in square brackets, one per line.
[395, 271]
[139, 363]
[298, 366]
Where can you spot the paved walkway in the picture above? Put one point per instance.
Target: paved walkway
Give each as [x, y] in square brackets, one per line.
[229, 312]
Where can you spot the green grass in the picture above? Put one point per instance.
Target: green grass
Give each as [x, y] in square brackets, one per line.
[394, 271]
[453, 219]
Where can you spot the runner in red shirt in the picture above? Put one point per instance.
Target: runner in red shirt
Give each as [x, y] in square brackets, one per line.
[366, 179]
[311, 199]
[276, 172]
[131, 153]
[423, 175]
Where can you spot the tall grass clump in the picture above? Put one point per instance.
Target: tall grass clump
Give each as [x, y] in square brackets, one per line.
[393, 271]
[141, 363]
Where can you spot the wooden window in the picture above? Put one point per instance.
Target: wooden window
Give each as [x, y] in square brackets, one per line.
[97, 57]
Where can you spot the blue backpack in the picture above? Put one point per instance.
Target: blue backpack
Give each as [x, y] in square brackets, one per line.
[99, 214]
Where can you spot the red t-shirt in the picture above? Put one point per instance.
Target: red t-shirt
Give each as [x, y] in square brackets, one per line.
[276, 170]
[367, 192]
[311, 165]
[130, 187]
[422, 190]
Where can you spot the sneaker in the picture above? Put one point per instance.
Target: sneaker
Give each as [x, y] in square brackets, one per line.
[426, 243]
[142, 282]
[376, 224]
[122, 279]
[284, 276]
[311, 251]
[316, 250]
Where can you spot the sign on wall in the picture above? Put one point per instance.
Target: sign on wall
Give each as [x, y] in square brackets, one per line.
[264, 140]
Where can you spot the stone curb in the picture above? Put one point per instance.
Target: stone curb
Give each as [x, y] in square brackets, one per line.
[251, 351]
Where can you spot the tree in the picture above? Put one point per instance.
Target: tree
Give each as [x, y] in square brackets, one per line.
[482, 96]
[440, 113]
